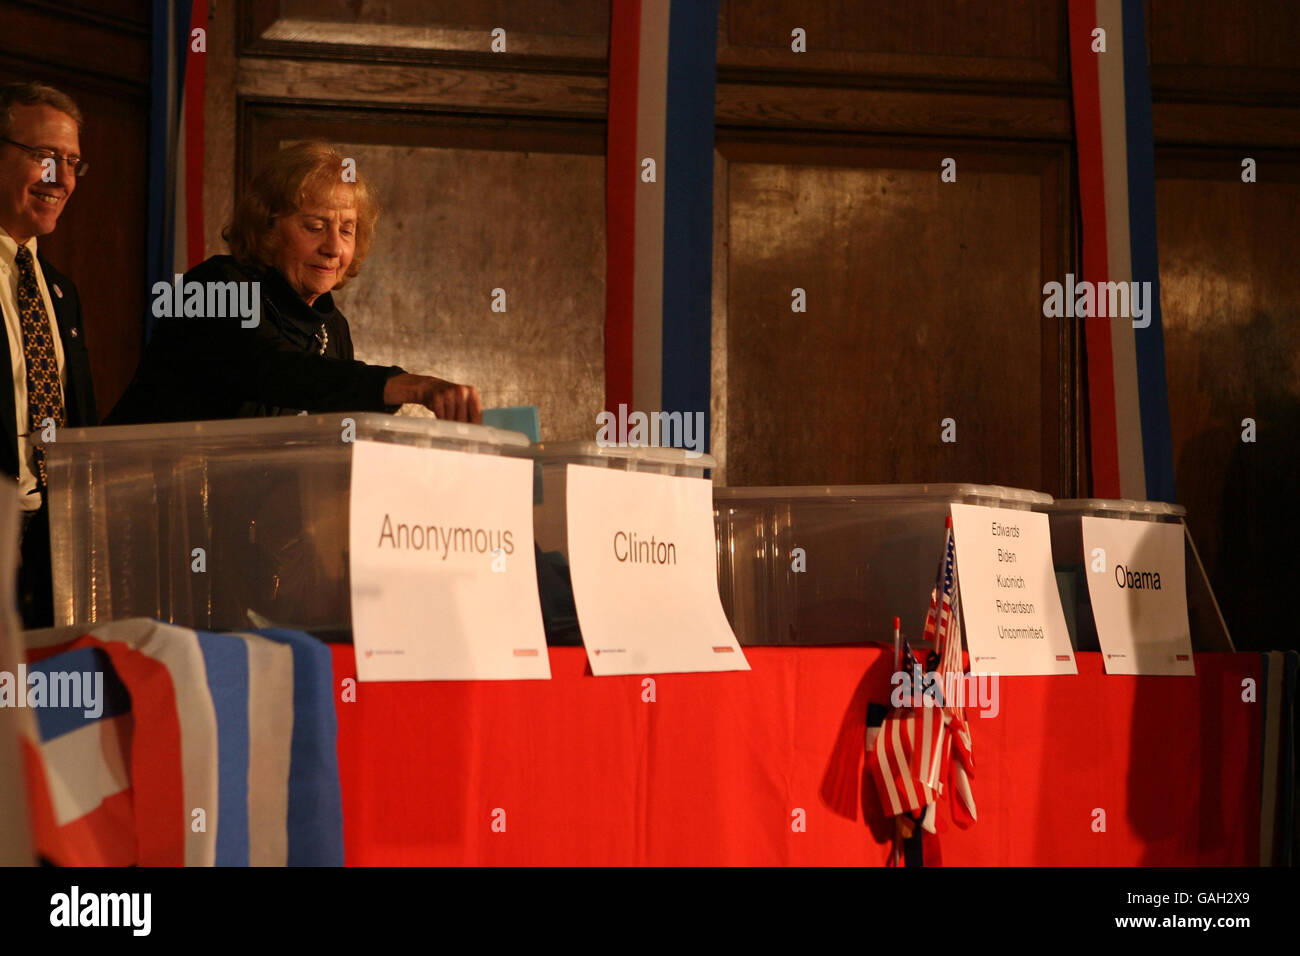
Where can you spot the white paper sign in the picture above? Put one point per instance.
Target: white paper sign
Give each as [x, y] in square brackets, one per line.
[1137, 582]
[643, 560]
[444, 579]
[1012, 609]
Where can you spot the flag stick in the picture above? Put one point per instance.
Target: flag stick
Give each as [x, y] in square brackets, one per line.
[898, 648]
[898, 666]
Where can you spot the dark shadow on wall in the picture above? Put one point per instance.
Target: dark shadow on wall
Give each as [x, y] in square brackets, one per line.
[1256, 564]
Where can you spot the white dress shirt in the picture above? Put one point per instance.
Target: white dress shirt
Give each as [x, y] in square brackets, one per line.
[29, 497]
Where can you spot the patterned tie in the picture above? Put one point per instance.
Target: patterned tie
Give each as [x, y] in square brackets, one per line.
[44, 395]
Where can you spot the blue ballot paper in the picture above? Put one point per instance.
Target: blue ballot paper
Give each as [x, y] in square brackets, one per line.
[516, 418]
[520, 418]
[559, 616]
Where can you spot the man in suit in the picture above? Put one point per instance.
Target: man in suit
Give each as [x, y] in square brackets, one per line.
[45, 344]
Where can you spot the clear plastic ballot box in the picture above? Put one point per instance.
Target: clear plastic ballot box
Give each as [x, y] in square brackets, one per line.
[221, 524]
[550, 513]
[1208, 630]
[835, 565]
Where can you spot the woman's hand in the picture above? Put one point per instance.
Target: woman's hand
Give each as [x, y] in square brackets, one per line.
[447, 400]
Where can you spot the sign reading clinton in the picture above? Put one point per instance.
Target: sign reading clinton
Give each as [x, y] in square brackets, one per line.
[643, 560]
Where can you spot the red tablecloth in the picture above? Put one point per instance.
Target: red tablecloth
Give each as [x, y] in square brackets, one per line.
[581, 770]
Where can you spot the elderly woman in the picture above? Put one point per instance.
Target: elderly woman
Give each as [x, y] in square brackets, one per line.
[301, 231]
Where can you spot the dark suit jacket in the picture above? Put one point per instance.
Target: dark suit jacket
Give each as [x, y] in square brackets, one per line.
[200, 368]
[78, 393]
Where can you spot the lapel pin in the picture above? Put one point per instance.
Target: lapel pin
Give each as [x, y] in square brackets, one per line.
[73, 333]
[58, 291]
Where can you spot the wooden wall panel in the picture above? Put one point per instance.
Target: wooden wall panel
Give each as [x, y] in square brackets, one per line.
[79, 39]
[473, 91]
[471, 206]
[1224, 73]
[1222, 48]
[1231, 307]
[1016, 40]
[923, 302]
[463, 222]
[220, 126]
[565, 34]
[589, 18]
[98, 53]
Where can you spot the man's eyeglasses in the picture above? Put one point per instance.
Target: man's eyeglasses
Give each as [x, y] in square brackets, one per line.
[75, 164]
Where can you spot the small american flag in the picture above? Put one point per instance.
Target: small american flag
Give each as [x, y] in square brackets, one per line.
[948, 642]
[903, 747]
[925, 743]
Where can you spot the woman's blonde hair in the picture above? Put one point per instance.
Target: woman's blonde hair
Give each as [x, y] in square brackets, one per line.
[295, 176]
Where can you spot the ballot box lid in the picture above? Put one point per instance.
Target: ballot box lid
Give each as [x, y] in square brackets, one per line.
[1122, 508]
[627, 456]
[959, 493]
[288, 430]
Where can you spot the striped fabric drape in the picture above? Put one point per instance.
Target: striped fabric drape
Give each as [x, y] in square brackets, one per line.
[200, 749]
[659, 221]
[176, 140]
[1132, 451]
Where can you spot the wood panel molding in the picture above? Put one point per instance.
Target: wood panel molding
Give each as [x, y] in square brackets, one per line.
[264, 123]
[267, 28]
[1225, 124]
[923, 40]
[114, 50]
[423, 87]
[738, 104]
[894, 111]
[1224, 51]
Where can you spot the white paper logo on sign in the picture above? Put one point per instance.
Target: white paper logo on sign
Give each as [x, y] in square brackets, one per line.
[643, 560]
[1014, 621]
[1137, 583]
[444, 580]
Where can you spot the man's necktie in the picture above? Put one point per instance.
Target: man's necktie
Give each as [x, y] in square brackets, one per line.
[44, 394]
